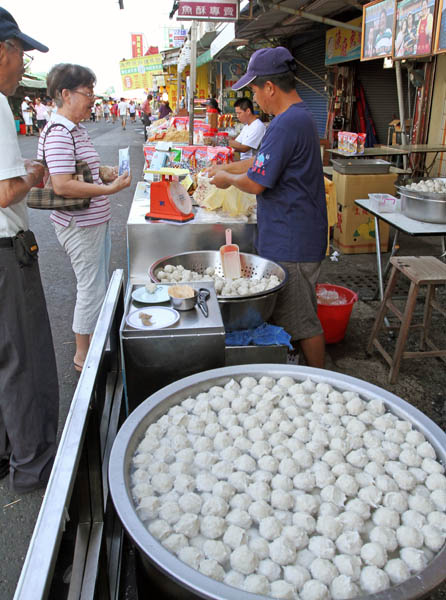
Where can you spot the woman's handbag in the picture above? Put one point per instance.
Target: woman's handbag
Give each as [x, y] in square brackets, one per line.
[46, 198]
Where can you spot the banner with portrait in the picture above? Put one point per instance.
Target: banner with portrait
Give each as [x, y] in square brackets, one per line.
[440, 37]
[414, 28]
[378, 22]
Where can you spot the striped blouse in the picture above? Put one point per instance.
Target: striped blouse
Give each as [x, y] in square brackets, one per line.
[61, 159]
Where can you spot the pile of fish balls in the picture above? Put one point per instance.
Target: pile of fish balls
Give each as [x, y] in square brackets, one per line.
[291, 489]
[243, 286]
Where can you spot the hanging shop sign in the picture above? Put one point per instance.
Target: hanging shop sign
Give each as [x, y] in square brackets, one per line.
[208, 10]
[440, 38]
[378, 23]
[342, 45]
[137, 73]
[174, 37]
[414, 28]
[137, 48]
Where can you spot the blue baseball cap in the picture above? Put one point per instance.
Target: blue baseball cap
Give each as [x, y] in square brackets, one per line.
[266, 61]
[10, 30]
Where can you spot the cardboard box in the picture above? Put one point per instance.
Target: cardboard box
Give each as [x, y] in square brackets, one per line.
[357, 187]
[354, 233]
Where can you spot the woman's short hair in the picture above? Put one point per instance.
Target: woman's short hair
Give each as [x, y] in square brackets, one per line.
[66, 76]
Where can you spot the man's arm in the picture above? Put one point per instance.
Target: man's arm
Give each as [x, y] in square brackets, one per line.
[223, 179]
[13, 190]
[239, 147]
[236, 168]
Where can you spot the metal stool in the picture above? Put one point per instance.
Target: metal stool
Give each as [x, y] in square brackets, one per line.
[421, 270]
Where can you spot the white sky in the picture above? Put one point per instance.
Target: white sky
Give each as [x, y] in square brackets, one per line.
[94, 33]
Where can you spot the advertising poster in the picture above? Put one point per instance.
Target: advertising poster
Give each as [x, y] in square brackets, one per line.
[377, 29]
[136, 73]
[137, 45]
[440, 40]
[414, 28]
[342, 45]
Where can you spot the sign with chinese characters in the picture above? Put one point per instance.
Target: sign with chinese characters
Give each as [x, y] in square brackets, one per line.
[342, 45]
[136, 73]
[208, 10]
[137, 49]
[175, 37]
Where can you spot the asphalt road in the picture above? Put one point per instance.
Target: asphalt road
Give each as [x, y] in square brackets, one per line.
[18, 513]
[421, 382]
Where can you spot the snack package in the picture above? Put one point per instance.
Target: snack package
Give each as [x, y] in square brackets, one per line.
[201, 158]
[188, 160]
[124, 160]
[361, 143]
[149, 151]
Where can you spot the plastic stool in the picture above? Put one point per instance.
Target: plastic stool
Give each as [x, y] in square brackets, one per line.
[421, 270]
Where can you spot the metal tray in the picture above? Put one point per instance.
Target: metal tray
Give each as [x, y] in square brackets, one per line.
[427, 210]
[361, 166]
[419, 194]
[185, 582]
[252, 266]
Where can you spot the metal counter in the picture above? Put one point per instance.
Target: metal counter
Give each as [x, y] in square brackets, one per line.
[154, 358]
[147, 241]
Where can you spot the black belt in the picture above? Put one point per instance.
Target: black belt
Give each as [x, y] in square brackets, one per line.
[6, 242]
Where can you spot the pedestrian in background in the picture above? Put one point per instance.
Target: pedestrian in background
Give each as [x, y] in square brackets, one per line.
[132, 111]
[42, 115]
[114, 111]
[27, 114]
[98, 109]
[29, 392]
[146, 109]
[106, 109]
[164, 110]
[123, 109]
[83, 234]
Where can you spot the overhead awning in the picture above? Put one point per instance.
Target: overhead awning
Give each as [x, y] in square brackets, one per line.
[282, 19]
[33, 83]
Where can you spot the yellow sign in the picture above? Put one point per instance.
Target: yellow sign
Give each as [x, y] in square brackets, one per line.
[342, 45]
[136, 73]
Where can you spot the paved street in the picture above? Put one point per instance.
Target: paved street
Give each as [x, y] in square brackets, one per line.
[18, 513]
[421, 382]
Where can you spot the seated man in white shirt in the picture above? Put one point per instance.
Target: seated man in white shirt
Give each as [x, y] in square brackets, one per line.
[253, 131]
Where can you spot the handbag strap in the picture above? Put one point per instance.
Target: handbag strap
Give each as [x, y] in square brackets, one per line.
[46, 134]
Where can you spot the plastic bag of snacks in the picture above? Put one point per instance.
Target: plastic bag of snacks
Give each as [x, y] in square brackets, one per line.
[149, 151]
[351, 143]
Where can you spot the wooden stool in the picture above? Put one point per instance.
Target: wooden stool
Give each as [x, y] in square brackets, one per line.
[421, 270]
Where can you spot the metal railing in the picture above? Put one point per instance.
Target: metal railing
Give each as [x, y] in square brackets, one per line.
[75, 548]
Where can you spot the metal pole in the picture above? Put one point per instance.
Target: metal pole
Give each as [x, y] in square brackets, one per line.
[178, 89]
[221, 87]
[399, 87]
[192, 79]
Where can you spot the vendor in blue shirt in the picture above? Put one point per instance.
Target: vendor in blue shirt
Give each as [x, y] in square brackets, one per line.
[287, 177]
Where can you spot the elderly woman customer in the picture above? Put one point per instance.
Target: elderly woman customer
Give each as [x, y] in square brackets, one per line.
[83, 234]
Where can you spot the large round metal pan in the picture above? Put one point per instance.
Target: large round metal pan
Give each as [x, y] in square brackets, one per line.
[189, 583]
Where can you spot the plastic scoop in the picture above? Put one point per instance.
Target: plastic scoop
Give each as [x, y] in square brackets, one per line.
[230, 258]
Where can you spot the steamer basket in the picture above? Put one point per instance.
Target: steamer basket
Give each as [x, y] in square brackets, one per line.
[238, 312]
[177, 580]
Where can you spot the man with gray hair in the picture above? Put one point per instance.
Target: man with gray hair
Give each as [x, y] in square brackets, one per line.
[29, 394]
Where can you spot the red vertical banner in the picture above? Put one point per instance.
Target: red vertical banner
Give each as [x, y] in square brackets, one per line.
[137, 49]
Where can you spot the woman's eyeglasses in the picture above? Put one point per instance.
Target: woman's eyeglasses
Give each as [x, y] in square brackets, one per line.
[89, 95]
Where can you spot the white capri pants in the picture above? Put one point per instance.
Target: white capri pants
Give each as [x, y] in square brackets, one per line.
[89, 252]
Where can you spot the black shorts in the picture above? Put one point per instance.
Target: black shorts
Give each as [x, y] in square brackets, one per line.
[41, 123]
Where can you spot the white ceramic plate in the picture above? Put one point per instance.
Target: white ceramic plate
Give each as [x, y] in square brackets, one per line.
[161, 316]
[143, 296]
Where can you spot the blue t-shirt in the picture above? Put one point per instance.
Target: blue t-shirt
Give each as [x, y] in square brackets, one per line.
[291, 212]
